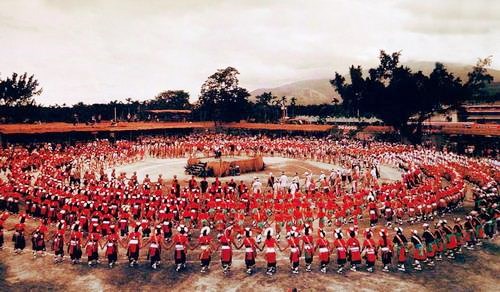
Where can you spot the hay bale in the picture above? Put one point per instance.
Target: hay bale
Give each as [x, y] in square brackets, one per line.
[221, 168]
[192, 160]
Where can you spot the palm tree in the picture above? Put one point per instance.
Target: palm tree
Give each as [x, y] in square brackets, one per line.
[129, 102]
[293, 103]
[283, 107]
[283, 100]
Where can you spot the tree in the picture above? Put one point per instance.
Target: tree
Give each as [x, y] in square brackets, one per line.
[19, 90]
[283, 107]
[221, 97]
[265, 98]
[262, 107]
[404, 99]
[263, 111]
[478, 78]
[170, 99]
[129, 102]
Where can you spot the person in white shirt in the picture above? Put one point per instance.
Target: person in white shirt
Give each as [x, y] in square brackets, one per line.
[276, 187]
[308, 180]
[256, 186]
[322, 176]
[373, 172]
[296, 180]
[293, 189]
[283, 181]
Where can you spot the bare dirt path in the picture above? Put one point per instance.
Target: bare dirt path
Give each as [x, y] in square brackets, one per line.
[170, 167]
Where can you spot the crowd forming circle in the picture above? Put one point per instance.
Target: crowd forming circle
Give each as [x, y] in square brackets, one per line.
[76, 208]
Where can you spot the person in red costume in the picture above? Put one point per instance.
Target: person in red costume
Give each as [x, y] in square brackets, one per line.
[134, 246]
[270, 244]
[92, 249]
[293, 241]
[341, 246]
[354, 249]
[18, 237]
[74, 244]
[308, 246]
[369, 250]
[38, 240]
[226, 251]
[111, 246]
[386, 250]
[250, 250]
[154, 250]
[450, 239]
[58, 248]
[400, 243]
[323, 245]
[180, 243]
[204, 242]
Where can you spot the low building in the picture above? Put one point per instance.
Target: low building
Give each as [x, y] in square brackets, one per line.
[481, 113]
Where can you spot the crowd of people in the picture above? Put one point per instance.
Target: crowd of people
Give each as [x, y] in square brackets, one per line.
[62, 198]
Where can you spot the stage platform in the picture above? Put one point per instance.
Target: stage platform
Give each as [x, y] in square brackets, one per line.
[222, 166]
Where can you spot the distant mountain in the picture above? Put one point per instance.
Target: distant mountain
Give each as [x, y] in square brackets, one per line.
[314, 91]
[318, 91]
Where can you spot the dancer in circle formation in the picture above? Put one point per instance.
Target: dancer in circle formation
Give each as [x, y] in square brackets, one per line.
[77, 208]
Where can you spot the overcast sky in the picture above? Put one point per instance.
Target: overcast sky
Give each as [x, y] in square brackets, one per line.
[97, 51]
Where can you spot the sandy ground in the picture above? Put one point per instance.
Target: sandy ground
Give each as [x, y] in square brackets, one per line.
[170, 167]
[473, 271]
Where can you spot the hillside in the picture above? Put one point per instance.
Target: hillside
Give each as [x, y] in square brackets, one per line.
[317, 91]
[314, 91]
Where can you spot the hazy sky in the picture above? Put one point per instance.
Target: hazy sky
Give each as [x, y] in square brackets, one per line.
[97, 51]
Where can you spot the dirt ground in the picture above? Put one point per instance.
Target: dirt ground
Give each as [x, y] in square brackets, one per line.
[472, 271]
[170, 167]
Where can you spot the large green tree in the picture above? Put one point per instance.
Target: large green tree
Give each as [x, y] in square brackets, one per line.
[263, 110]
[221, 97]
[170, 99]
[18, 90]
[404, 99]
